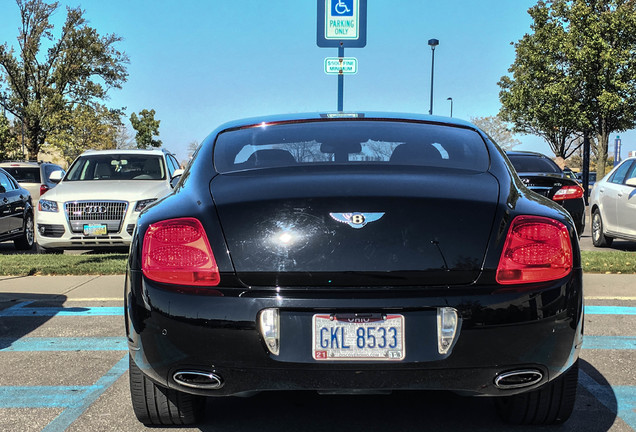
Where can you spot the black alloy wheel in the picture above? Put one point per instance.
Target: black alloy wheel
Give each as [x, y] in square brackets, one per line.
[27, 239]
[157, 405]
[551, 404]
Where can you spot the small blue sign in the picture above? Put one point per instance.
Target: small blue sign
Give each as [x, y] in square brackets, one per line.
[342, 8]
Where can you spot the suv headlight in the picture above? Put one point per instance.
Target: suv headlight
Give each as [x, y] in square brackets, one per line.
[47, 206]
[143, 204]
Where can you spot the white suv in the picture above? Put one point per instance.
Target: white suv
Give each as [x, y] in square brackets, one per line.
[97, 203]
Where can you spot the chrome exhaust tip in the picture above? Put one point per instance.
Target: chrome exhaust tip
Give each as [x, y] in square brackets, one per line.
[518, 379]
[198, 379]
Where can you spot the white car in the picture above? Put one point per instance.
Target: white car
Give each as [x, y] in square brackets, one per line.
[613, 205]
[97, 203]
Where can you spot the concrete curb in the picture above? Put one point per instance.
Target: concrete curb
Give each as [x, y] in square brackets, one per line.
[111, 288]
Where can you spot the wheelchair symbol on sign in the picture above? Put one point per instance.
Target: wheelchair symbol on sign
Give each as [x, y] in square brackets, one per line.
[341, 8]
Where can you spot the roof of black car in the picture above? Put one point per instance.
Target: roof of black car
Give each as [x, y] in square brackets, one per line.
[525, 153]
[343, 115]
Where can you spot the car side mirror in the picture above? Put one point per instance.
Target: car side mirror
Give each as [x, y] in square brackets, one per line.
[176, 176]
[56, 176]
[631, 182]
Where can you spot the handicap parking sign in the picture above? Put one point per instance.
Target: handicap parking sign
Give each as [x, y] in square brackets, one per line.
[342, 8]
[342, 23]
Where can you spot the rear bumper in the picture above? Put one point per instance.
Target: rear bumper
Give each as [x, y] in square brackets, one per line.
[170, 332]
[576, 208]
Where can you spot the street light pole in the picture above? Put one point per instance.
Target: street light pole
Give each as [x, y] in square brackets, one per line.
[451, 100]
[432, 43]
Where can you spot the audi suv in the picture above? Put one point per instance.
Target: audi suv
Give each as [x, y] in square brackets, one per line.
[97, 203]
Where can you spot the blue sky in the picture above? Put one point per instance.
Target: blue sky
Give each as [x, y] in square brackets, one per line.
[202, 63]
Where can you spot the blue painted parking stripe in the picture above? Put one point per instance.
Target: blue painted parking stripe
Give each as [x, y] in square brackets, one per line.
[610, 310]
[43, 397]
[609, 342]
[22, 310]
[69, 415]
[625, 397]
[64, 344]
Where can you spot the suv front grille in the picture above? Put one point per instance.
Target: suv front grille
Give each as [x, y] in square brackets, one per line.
[109, 213]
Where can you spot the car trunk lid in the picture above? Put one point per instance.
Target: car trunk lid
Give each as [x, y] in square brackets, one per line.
[291, 228]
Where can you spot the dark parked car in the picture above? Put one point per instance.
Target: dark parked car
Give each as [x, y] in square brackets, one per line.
[16, 213]
[354, 253]
[591, 178]
[542, 175]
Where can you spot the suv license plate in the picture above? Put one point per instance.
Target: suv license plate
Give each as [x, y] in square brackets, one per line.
[95, 230]
[354, 337]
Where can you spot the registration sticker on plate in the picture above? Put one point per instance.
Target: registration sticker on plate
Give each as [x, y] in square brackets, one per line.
[95, 230]
[358, 337]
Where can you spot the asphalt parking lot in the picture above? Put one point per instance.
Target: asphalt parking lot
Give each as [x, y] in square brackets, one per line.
[64, 368]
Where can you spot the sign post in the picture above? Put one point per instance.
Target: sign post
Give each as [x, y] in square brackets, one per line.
[342, 23]
[617, 150]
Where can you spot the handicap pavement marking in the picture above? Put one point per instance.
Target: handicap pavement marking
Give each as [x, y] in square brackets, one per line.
[625, 397]
[76, 399]
[23, 310]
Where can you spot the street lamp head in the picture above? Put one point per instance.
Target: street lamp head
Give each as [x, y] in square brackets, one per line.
[433, 43]
[450, 98]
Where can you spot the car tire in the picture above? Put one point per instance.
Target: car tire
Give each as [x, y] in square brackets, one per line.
[551, 404]
[157, 405]
[42, 250]
[599, 239]
[27, 239]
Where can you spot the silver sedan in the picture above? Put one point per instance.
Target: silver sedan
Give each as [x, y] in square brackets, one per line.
[613, 205]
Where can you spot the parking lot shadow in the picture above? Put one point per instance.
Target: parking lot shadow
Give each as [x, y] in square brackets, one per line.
[595, 411]
[21, 314]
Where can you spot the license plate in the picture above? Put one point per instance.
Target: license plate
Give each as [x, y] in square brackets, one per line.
[95, 230]
[358, 337]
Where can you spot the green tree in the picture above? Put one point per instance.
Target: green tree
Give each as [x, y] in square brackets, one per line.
[147, 127]
[79, 67]
[541, 97]
[83, 128]
[574, 73]
[602, 45]
[498, 130]
[9, 144]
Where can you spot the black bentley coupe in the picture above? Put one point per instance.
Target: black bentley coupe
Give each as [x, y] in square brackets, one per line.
[353, 253]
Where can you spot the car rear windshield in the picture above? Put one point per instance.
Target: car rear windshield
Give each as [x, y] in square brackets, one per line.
[350, 142]
[24, 174]
[533, 164]
[117, 167]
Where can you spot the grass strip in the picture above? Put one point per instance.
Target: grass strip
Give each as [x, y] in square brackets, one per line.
[58, 264]
[610, 262]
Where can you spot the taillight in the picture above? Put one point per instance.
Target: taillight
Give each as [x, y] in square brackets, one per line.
[568, 192]
[177, 251]
[43, 188]
[537, 249]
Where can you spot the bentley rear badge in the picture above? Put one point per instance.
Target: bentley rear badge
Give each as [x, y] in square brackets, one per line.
[356, 219]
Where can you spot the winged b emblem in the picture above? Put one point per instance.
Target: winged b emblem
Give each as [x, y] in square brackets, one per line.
[356, 219]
